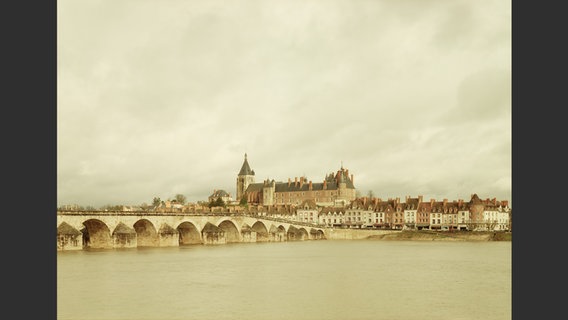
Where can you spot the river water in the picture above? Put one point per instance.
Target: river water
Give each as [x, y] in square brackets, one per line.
[324, 279]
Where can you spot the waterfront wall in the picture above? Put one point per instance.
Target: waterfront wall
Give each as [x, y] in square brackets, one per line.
[355, 234]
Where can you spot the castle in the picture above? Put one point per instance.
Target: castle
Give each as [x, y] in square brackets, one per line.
[335, 189]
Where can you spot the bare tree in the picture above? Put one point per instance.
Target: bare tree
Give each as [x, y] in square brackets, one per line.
[180, 198]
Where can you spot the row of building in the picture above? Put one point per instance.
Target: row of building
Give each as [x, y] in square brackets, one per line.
[334, 202]
[414, 213]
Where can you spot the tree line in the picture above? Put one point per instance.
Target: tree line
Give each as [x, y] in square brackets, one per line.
[156, 202]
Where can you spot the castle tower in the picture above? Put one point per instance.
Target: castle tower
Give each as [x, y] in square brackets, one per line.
[245, 177]
[345, 188]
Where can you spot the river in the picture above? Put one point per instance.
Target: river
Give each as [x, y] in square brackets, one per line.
[323, 279]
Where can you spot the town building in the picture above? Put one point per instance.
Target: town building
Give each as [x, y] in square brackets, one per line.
[360, 213]
[410, 211]
[224, 195]
[307, 212]
[332, 216]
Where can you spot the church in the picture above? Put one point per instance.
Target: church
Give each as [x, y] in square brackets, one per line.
[335, 189]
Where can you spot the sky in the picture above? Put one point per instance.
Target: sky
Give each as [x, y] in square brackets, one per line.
[157, 98]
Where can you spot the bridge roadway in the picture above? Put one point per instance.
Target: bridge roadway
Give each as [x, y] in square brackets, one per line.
[77, 230]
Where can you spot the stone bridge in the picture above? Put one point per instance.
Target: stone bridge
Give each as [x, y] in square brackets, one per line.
[77, 230]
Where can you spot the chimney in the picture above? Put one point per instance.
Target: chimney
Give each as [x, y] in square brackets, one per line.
[419, 199]
[432, 202]
[324, 184]
[301, 182]
[295, 181]
[397, 200]
[445, 201]
[289, 181]
[406, 199]
[460, 201]
[310, 184]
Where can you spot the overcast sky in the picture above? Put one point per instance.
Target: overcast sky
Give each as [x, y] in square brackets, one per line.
[158, 98]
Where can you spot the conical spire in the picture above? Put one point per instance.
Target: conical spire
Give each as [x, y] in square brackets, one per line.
[245, 169]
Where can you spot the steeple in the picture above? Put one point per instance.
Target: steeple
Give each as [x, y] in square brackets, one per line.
[245, 169]
[244, 179]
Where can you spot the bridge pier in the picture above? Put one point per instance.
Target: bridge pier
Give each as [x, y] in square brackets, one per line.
[248, 235]
[213, 235]
[168, 236]
[69, 242]
[69, 238]
[124, 237]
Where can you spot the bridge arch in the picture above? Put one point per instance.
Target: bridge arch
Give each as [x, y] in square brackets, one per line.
[189, 234]
[146, 233]
[303, 234]
[261, 231]
[293, 233]
[96, 234]
[317, 234]
[232, 233]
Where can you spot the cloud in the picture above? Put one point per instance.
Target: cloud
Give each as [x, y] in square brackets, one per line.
[153, 100]
[484, 95]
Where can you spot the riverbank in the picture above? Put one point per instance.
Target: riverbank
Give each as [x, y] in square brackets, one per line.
[427, 235]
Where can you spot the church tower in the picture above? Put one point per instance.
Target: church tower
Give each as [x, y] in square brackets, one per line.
[245, 177]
